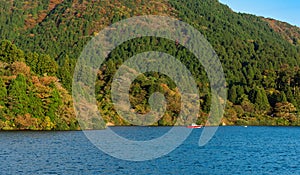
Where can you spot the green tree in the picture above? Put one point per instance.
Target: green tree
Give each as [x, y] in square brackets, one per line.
[281, 97]
[260, 99]
[46, 65]
[3, 92]
[35, 105]
[54, 104]
[18, 99]
[3, 97]
[290, 97]
[65, 72]
[232, 95]
[10, 53]
[32, 60]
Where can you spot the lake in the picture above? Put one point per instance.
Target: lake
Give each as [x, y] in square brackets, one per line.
[233, 150]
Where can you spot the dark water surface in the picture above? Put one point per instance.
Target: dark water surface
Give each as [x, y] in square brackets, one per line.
[233, 150]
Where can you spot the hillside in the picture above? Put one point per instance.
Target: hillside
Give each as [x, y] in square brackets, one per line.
[60, 27]
[260, 57]
[32, 97]
[289, 32]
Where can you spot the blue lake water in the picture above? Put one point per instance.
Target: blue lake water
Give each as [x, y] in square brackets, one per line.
[233, 150]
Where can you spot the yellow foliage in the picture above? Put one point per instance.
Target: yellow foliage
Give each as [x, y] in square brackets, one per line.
[20, 68]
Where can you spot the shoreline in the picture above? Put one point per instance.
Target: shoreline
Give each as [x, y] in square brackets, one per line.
[124, 126]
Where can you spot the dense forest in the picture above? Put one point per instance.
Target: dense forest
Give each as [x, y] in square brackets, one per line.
[41, 41]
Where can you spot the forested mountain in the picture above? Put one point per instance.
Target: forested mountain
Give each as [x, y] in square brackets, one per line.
[41, 41]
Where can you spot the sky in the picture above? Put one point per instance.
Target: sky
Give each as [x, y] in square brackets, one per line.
[283, 10]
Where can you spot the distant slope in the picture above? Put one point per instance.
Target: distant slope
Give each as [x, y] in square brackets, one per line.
[289, 32]
[58, 27]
